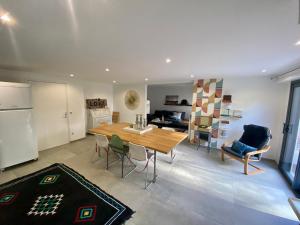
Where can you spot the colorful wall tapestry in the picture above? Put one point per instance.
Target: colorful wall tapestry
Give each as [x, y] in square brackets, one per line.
[207, 97]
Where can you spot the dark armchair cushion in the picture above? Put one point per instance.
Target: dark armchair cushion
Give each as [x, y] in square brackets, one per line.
[255, 136]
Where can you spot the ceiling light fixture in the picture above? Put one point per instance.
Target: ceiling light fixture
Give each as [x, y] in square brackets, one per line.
[5, 18]
[297, 43]
[146, 79]
[192, 75]
[168, 60]
[107, 70]
[72, 75]
[114, 81]
[264, 70]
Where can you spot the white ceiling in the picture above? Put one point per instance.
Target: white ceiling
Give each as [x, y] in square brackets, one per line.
[133, 38]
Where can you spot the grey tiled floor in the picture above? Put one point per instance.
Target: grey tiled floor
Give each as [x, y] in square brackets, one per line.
[197, 189]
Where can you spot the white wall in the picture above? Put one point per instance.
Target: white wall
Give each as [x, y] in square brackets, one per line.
[157, 95]
[127, 115]
[90, 89]
[98, 90]
[264, 102]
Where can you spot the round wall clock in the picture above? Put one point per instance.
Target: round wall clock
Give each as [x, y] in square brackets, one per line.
[132, 99]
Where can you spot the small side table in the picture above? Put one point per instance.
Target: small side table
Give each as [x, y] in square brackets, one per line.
[204, 132]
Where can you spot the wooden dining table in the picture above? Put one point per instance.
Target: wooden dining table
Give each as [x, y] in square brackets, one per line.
[158, 140]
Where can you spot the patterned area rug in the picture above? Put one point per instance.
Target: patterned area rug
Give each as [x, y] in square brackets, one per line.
[57, 195]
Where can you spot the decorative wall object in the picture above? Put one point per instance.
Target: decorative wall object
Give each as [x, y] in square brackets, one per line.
[132, 99]
[207, 97]
[96, 103]
[171, 100]
[227, 99]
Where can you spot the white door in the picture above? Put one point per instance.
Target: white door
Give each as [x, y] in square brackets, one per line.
[76, 106]
[50, 114]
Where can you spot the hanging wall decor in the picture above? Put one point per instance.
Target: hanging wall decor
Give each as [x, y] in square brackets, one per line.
[207, 97]
[132, 99]
[96, 103]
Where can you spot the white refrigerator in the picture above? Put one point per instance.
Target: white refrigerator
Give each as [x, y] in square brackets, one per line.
[17, 137]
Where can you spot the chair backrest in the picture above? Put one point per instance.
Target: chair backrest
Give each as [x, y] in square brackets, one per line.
[168, 128]
[102, 140]
[256, 136]
[137, 152]
[116, 142]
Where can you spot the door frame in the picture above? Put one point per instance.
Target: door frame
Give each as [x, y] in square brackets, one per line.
[295, 184]
[66, 109]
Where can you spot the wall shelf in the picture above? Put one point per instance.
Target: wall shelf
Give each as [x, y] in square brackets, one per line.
[177, 105]
[230, 116]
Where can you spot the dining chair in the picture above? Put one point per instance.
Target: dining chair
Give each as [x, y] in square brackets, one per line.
[102, 143]
[140, 154]
[117, 145]
[173, 149]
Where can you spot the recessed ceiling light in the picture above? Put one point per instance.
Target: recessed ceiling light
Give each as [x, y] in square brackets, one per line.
[192, 75]
[146, 79]
[5, 18]
[107, 69]
[168, 60]
[114, 81]
[72, 75]
[297, 43]
[264, 70]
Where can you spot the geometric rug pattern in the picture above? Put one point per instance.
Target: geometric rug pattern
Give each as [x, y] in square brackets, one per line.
[49, 179]
[58, 195]
[85, 214]
[7, 198]
[45, 205]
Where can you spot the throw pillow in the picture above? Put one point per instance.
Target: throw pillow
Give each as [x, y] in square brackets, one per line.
[176, 116]
[249, 149]
[242, 148]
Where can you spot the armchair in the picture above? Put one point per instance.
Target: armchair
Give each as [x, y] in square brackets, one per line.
[254, 136]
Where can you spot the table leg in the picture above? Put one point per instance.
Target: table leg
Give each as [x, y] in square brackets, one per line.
[154, 173]
[122, 165]
[107, 158]
[199, 142]
[209, 142]
[172, 155]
